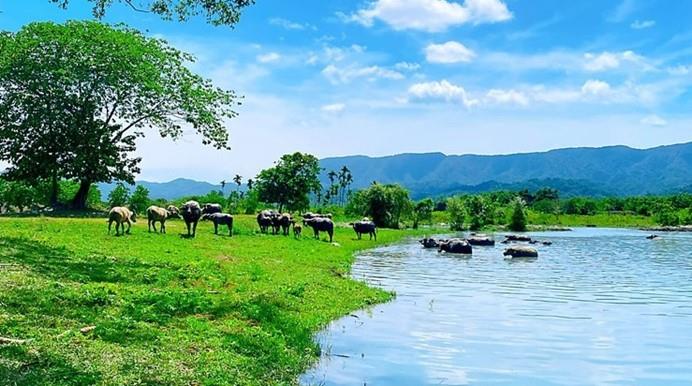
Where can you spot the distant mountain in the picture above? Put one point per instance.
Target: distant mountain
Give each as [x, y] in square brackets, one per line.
[180, 187]
[612, 170]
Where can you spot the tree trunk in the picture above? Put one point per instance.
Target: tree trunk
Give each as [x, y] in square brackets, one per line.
[80, 199]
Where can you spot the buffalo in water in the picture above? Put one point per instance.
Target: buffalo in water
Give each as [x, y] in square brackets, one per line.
[455, 246]
[480, 240]
[365, 226]
[191, 213]
[520, 251]
[320, 224]
[429, 243]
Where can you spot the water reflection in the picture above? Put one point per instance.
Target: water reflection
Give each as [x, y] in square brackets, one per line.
[599, 306]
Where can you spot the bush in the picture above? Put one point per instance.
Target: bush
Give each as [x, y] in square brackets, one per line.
[385, 204]
[518, 221]
[455, 208]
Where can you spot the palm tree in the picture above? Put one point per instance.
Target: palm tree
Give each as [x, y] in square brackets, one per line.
[332, 177]
[238, 179]
[345, 179]
[223, 185]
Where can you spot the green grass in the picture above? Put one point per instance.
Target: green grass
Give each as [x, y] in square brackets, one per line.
[169, 310]
[603, 220]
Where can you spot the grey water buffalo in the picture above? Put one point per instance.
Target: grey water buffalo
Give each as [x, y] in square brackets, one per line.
[520, 251]
[191, 213]
[297, 229]
[157, 214]
[455, 246]
[365, 226]
[265, 219]
[220, 219]
[281, 222]
[480, 240]
[211, 208]
[509, 238]
[173, 211]
[121, 215]
[321, 224]
[429, 243]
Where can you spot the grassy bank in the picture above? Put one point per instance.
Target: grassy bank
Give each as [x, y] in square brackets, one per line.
[168, 310]
[602, 220]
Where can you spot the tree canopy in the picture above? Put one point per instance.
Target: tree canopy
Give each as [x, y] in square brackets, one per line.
[290, 182]
[74, 98]
[385, 204]
[217, 12]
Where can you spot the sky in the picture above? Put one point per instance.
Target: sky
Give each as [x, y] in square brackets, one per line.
[382, 77]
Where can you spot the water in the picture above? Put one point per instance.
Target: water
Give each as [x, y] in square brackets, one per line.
[599, 306]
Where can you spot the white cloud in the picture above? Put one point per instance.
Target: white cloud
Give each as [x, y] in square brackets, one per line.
[679, 70]
[430, 15]
[642, 24]
[507, 96]
[622, 11]
[449, 52]
[406, 66]
[268, 57]
[610, 60]
[333, 108]
[337, 75]
[595, 87]
[290, 25]
[442, 90]
[654, 120]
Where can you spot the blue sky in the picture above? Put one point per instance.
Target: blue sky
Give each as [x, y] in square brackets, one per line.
[380, 77]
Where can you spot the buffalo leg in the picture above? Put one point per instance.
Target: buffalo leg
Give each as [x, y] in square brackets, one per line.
[194, 229]
[216, 228]
[163, 226]
[110, 222]
[188, 228]
[331, 235]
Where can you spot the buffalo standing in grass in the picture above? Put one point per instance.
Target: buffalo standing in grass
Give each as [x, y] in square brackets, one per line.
[191, 213]
[156, 214]
[265, 219]
[365, 226]
[455, 246]
[121, 215]
[220, 219]
[283, 221]
[321, 224]
[211, 208]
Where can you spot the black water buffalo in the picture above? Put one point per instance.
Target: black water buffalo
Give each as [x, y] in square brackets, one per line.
[480, 240]
[220, 219]
[429, 243]
[284, 221]
[509, 238]
[265, 220]
[321, 224]
[520, 251]
[456, 246]
[365, 226]
[191, 213]
[211, 208]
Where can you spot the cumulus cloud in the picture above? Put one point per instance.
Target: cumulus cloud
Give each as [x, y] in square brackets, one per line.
[609, 60]
[340, 75]
[507, 96]
[449, 52]
[430, 15]
[653, 120]
[642, 24]
[268, 57]
[595, 87]
[333, 108]
[442, 90]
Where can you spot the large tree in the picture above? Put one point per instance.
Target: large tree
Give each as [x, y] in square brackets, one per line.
[290, 182]
[74, 98]
[217, 12]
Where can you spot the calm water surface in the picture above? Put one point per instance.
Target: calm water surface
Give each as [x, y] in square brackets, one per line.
[599, 306]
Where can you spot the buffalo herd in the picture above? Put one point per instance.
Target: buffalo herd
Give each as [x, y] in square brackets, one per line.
[465, 245]
[268, 220]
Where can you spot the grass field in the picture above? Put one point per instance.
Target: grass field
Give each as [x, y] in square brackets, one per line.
[168, 310]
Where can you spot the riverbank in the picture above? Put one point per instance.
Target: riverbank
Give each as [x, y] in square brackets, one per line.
[92, 308]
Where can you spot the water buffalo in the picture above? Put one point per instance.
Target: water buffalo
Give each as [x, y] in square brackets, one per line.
[321, 224]
[651, 237]
[220, 219]
[429, 243]
[520, 251]
[455, 246]
[516, 238]
[191, 213]
[365, 226]
[121, 215]
[173, 211]
[480, 240]
[211, 208]
[157, 214]
[281, 221]
[297, 229]
[265, 220]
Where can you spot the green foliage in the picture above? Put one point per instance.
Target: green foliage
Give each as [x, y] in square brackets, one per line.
[289, 183]
[481, 212]
[139, 200]
[386, 205]
[217, 12]
[422, 211]
[17, 195]
[457, 213]
[119, 196]
[77, 95]
[518, 221]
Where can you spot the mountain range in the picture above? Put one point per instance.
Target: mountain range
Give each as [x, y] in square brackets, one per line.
[603, 171]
